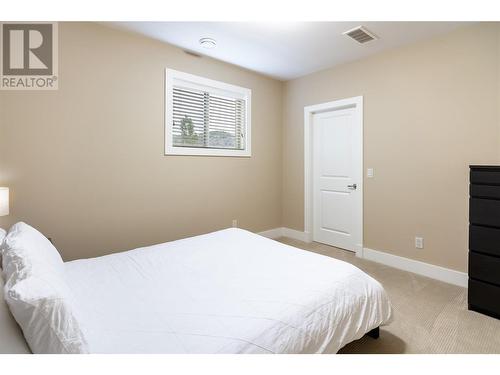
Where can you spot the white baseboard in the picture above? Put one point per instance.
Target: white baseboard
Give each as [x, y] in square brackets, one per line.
[420, 268]
[296, 234]
[425, 269]
[286, 232]
[272, 233]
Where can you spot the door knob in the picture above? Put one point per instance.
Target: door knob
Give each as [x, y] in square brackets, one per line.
[352, 187]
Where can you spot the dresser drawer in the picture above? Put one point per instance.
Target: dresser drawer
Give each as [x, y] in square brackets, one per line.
[485, 176]
[484, 298]
[484, 191]
[484, 240]
[484, 212]
[484, 268]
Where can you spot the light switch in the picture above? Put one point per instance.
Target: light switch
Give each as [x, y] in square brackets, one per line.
[369, 172]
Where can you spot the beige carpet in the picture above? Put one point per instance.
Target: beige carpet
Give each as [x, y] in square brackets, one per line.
[429, 316]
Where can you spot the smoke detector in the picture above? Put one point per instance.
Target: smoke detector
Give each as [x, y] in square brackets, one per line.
[208, 43]
[360, 34]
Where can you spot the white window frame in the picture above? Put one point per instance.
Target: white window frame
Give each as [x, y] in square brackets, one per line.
[177, 78]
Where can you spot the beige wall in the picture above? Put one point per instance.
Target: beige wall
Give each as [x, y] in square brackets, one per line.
[86, 165]
[430, 110]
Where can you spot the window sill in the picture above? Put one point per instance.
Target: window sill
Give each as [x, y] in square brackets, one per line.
[195, 151]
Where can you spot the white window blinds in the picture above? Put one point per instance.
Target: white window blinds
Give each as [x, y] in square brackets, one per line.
[204, 119]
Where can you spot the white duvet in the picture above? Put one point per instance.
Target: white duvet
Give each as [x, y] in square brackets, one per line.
[225, 292]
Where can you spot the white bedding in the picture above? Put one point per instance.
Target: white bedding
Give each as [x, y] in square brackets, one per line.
[225, 292]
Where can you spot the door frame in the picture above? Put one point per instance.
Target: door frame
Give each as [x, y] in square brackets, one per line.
[356, 103]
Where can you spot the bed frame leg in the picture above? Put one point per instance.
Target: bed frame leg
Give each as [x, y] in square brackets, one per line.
[374, 333]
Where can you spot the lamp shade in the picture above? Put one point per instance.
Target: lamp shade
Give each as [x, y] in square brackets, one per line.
[4, 201]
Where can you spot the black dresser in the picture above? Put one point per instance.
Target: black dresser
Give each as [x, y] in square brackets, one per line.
[484, 240]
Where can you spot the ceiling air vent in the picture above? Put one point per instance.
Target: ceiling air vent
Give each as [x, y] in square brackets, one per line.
[360, 35]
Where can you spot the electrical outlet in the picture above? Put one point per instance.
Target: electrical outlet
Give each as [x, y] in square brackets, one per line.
[235, 223]
[369, 172]
[419, 242]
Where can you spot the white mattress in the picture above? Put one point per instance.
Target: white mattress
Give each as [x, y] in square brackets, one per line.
[225, 292]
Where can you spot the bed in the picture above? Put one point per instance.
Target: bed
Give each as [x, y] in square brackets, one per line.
[230, 291]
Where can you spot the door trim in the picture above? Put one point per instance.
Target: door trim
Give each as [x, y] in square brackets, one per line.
[354, 102]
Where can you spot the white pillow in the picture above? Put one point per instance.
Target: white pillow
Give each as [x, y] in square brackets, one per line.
[27, 247]
[37, 293]
[11, 336]
[3, 233]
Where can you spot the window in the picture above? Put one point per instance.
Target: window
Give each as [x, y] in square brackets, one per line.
[206, 117]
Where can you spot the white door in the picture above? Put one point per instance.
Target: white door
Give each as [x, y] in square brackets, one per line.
[337, 178]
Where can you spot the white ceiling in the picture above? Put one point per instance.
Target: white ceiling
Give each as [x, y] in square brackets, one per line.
[286, 50]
